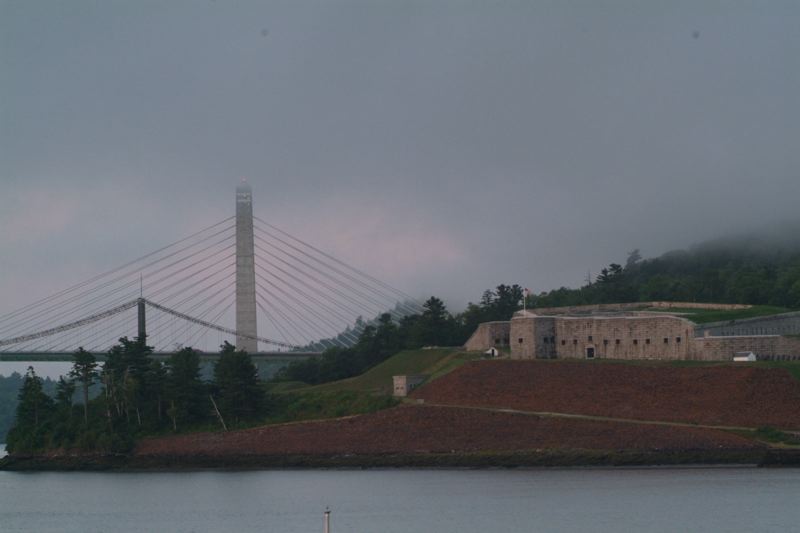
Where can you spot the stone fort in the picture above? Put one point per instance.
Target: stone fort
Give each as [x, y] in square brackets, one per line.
[643, 330]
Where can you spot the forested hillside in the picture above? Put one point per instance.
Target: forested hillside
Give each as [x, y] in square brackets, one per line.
[9, 390]
[761, 270]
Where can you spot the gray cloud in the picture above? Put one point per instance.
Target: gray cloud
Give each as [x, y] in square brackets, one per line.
[445, 147]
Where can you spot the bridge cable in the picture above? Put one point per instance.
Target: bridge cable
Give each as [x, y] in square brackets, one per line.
[307, 296]
[291, 308]
[112, 271]
[342, 263]
[301, 303]
[51, 310]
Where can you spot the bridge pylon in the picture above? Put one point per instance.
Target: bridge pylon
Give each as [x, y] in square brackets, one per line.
[246, 320]
[142, 330]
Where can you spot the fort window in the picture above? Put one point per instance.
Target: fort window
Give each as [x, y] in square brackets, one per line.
[605, 342]
[574, 341]
[635, 341]
[546, 340]
[519, 340]
[618, 341]
[552, 340]
[590, 338]
[563, 342]
[497, 341]
[666, 340]
[647, 341]
[677, 339]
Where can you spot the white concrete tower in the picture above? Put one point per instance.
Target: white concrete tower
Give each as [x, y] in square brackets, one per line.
[246, 321]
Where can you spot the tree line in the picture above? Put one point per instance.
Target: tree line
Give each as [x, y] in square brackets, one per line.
[139, 395]
[434, 326]
[756, 272]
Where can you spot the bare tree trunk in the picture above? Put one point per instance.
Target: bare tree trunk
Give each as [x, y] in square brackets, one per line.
[219, 415]
[86, 403]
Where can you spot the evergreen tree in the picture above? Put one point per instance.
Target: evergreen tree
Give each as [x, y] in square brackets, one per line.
[186, 394]
[84, 370]
[125, 375]
[34, 409]
[65, 390]
[238, 391]
[34, 405]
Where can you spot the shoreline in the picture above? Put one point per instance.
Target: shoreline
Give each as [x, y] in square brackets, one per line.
[769, 458]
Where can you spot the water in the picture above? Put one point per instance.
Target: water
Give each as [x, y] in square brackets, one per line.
[43, 369]
[55, 369]
[387, 501]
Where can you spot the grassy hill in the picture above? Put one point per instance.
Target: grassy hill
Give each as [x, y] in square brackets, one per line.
[369, 392]
[378, 380]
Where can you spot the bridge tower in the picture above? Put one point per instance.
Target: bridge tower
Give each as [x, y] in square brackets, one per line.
[140, 306]
[245, 270]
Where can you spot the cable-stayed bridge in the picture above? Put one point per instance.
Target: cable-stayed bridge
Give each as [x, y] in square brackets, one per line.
[242, 280]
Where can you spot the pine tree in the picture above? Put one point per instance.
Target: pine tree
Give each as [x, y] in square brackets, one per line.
[34, 407]
[84, 370]
[185, 392]
[65, 390]
[239, 394]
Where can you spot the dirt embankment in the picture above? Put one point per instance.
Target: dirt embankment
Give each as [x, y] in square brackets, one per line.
[713, 395]
[437, 430]
[466, 431]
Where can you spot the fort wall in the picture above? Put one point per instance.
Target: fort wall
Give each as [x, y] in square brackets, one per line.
[764, 346]
[622, 331]
[488, 335]
[628, 337]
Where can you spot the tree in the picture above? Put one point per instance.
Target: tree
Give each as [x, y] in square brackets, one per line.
[34, 409]
[507, 302]
[84, 369]
[240, 396]
[65, 390]
[33, 404]
[125, 375]
[633, 258]
[435, 326]
[185, 391]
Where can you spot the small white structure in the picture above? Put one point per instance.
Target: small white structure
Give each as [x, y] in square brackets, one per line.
[492, 352]
[744, 357]
[406, 383]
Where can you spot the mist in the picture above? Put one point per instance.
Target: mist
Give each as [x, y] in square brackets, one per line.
[442, 147]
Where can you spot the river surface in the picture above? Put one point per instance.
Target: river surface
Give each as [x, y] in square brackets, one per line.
[56, 369]
[387, 501]
[43, 369]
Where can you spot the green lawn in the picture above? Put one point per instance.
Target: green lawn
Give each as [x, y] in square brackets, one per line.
[371, 391]
[316, 405]
[379, 378]
[702, 316]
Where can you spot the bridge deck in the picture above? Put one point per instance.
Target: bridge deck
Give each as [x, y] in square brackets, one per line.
[63, 356]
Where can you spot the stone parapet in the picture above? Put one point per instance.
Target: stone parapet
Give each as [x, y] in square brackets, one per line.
[634, 306]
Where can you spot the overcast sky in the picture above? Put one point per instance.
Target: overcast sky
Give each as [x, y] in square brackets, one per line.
[444, 147]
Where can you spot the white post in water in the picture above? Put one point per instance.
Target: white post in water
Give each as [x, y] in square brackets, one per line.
[326, 524]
